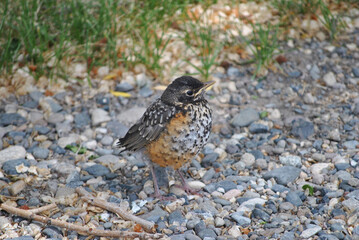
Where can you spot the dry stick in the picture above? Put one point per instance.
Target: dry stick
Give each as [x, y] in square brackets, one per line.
[80, 229]
[147, 225]
[42, 209]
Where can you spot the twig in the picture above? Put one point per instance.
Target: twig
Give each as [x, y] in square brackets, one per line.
[80, 229]
[147, 225]
[42, 209]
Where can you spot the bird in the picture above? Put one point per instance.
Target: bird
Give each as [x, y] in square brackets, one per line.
[173, 129]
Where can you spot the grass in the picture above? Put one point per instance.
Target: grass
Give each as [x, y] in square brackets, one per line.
[265, 46]
[47, 36]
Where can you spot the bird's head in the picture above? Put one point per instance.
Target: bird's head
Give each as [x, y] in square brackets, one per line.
[185, 90]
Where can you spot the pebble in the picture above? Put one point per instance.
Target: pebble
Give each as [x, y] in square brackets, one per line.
[40, 153]
[11, 119]
[9, 167]
[283, 175]
[241, 220]
[309, 232]
[99, 116]
[258, 128]
[245, 117]
[12, 152]
[17, 187]
[294, 199]
[291, 160]
[209, 159]
[124, 87]
[330, 79]
[248, 159]
[315, 72]
[82, 120]
[302, 128]
[355, 71]
[97, 170]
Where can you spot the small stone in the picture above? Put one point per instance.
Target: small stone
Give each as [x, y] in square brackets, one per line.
[302, 128]
[233, 193]
[208, 175]
[12, 152]
[291, 160]
[294, 74]
[318, 157]
[248, 159]
[283, 175]
[99, 116]
[209, 159]
[107, 225]
[234, 72]
[64, 192]
[226, 185]
[131, 115]
[17, 187]
[258, 128]
[352, 144]
[176, 216]
[146, 92]
[51, 232]
[107, 140]
[241, 220]
[351, 204]
[219, 222]
[315, 72]
[40, 153]
[334, 135]
[124, 87]
[36, 95]
[260, 214]
[309, 99]
[97, 170]
[310, 232]
[82, 120]
[294, 199]
[355, 71]
[235, 232]
[330, 79]
[207, 233]
[103, 71]
[11, 119]
[9, 167]
[156, 214]
[245, 118]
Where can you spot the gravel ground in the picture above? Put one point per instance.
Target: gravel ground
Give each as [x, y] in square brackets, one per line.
[282, 161]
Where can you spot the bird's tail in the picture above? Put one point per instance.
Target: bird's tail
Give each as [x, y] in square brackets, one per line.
[118, 144]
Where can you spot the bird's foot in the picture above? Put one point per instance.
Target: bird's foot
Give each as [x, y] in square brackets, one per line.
[162, 198]
[188, 189]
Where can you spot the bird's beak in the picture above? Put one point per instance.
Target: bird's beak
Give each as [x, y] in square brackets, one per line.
[205, 87]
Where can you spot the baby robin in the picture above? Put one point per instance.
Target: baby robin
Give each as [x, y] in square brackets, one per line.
[174, 128]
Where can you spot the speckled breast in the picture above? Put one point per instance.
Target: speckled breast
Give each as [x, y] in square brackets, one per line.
[185, 135]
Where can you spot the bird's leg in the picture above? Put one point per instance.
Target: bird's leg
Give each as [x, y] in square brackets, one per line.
[185, 185]
[157, 193]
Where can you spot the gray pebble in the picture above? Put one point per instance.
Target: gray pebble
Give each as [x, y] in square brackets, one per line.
[258, 128]
[124, 87]
[314, 72]
[302, 128]
[107, 140]
[11, 119]
[40, 153]
[291, 160]
[209, 159]
[294, 199]
[42, 129]
[9, 167]
[82, 120]
[260, 214]
[241, 220]
[36, 95]
[208, 175]
[283, 175]
[176, 216]
[207, 233]
[245, 117]
[107, 225]
[355, 71]
[52, 232]
[226, 185]
[146, 92]
[97, 170]
[352, 144]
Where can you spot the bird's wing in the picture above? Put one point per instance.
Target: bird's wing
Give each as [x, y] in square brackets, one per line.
[148, 128]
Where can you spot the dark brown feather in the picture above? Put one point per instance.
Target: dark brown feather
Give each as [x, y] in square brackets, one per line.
[149, 127]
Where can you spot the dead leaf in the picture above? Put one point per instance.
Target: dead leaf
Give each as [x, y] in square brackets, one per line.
[120, 94]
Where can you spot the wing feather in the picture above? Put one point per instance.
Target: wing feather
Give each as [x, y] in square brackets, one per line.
[149, 127]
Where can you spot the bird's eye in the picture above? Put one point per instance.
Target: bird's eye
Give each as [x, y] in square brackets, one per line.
[189, 93]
